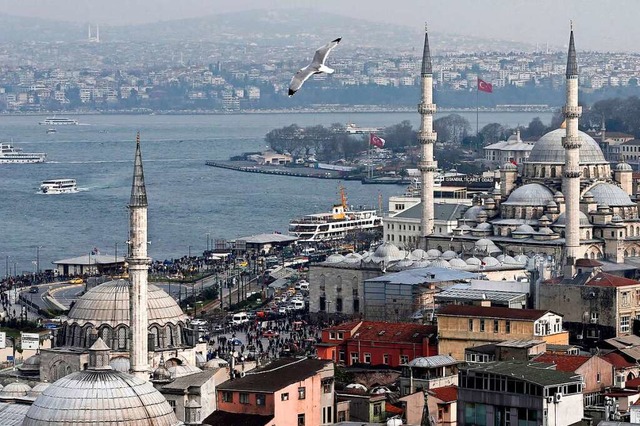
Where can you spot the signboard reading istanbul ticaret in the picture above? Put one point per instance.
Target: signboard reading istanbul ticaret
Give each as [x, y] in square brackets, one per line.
[30, 340]
[3, 339]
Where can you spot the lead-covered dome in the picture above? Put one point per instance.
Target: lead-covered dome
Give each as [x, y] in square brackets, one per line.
[562, 220]
[549, 149]
[532, 194]
[108, 303]
[611, 195]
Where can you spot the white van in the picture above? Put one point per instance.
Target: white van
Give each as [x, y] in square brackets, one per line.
[304, 286]
[298, 304]
[239, 318]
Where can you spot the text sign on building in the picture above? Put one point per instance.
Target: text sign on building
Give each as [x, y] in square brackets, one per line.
[3, 339]
[30, 340]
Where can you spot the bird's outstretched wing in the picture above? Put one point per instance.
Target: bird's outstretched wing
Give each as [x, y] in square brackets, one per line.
[298, 79]
[322, 53]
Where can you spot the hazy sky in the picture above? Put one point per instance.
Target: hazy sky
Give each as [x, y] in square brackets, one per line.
[600, 24]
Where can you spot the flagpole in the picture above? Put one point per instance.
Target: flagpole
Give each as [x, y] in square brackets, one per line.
[477, 111]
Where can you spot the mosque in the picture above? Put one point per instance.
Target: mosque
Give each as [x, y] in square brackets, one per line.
[564, 200]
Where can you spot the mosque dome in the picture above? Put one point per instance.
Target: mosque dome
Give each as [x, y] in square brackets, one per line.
[433, 253]
[423, 263]
[440, 263]
[610, 194]
[485, 245]
[37, 390]
[509, 167]
[562, 220]
[474, 261]
[508, 260]
[215, 363]
[183, 370]
[548, 149]
[616, 219]
[524, 229]
[490, 261]
[484, 226]
[31, 366]
[532, 194]
[14, 390]
[100, 395]
[458, 263]
[418, 254]
[623, 167]
[472, 212]
[387, 252]
[449, 254]
[335, 258]
[108, 303]
[161, 374]
[353, 258]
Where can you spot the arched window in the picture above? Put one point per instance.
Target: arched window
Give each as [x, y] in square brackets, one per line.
[553, 171]
[626, 253]
[76, 335]
[122, 339]
[543, 171]
[593, 255]
[105, 333]
[156, 336]
[585, 172]
[168, 336]
[633, 252]
[588, 236]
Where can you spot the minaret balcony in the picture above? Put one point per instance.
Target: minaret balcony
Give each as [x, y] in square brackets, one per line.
[571, 142]
[572, 111]
[427, 138]
[572, 174]
[427, 166]
[426, 108]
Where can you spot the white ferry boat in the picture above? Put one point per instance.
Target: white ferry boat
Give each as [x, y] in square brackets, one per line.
[9, 154]
[352, 129]
[58, 186]
[336, 224]
[58, 121]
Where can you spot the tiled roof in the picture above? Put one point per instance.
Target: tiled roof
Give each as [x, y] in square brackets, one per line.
[442, 211]
[445, 393]
[399, 332]
[392, 409]
[275, 376]
[563, 362]
[633, 384]
[618, 360]
[491, 312]
[588, 262]
[607, 280]
[530, 372]
[236, 419]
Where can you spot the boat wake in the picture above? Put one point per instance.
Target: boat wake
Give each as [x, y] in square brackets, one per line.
[163, 160]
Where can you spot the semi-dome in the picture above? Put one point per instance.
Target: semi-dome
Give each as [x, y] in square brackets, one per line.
[100, 395]
[532, 194]
[549, 149]
[183, 370]
[108, 303]
[562, 219]
[611, 195]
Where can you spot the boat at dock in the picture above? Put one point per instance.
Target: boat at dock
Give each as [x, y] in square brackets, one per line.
[59, 186]
[10, 155]
[336, 224]
[58, 121]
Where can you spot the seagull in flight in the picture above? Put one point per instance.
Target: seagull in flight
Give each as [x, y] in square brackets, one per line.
[316, 66]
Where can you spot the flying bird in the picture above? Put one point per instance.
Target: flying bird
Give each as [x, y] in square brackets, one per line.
[316, 66]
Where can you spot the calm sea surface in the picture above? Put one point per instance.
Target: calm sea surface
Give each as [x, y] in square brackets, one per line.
[187, 199]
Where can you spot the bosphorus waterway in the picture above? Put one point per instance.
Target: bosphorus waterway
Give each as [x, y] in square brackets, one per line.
[187, 199]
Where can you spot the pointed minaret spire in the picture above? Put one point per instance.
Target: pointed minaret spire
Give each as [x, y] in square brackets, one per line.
[138, 190]
[138, 271]
[426, 54]
[572, 61]
[427, 137]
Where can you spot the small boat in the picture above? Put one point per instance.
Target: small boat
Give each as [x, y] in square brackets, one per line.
[49, 131]
[59, 186]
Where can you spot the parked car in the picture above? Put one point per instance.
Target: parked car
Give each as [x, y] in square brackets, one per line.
[76, 281]
[34, 289]
[218, 328]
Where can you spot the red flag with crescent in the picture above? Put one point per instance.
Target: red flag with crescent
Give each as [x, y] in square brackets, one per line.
[483, 86]
[376, 140]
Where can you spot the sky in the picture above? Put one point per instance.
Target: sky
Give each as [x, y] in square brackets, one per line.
[604, 25]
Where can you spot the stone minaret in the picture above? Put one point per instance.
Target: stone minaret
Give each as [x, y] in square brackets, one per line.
[571, 177]
[138, 271]
[427, 138]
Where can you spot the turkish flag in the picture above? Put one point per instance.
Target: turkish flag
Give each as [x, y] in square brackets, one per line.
[376, 141]
[483, 86]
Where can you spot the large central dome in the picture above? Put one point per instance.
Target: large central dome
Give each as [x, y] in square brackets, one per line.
[549, 149]
[108, 303]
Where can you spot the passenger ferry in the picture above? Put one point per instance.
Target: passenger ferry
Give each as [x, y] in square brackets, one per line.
[336, 224]
[58, 121]
[59, 186]
[9, 154]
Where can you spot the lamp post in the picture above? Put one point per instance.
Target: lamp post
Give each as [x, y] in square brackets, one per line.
[208, 239]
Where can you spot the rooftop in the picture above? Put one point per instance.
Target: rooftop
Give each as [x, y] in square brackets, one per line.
[457, 293]
[445, 393]
[267, 238]
[531, 372]
[569, 363]
[192, 380]
[91, 259]
[380, 331]
[603, 279]
[491, 312]
[424, 275]
[275, 376]
[224, 418]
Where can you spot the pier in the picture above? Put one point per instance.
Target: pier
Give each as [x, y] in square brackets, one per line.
[251, 167]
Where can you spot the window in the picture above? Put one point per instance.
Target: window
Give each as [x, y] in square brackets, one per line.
[244, 398]
[355, 357]
[300, 419]
[377, 409]
[332, 335]
[507, 327]
[326, 386]
[172, 404]
[624, 323]
[367, 358]
[481, 325]
[598, 377]
[356, 305]
[340, 335]
[594, 317]
[385, 359]
[637, 297]
[302, 392]
[284, 396]
[339, 304]
[404, 359]
[625, 298]
[341, 356]
[496, 326]
[470, 324]
[261, 399]
[227, 396]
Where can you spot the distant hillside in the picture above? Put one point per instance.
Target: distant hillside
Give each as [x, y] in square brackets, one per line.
[274, 28]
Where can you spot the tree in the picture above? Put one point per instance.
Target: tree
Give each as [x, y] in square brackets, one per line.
[535, 129]
[492, 133]
[399, 136]
[452, 128]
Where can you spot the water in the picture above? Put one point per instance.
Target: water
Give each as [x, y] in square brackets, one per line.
[187, 199]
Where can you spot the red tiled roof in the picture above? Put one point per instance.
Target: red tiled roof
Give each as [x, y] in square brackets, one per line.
[392, 409]
[345, 326]
[588, 262]
[446, 393]
[607, 280]
[618, 360]
[633, 384]
[563, 362]
[380, 331]
[490, 312]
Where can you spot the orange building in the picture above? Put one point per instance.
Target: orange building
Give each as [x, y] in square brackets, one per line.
[462, 326]
[287, 392]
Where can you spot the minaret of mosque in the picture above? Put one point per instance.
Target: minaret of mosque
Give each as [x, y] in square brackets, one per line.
[571, 176]
[427, 138]
[138, 271]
